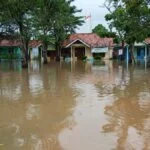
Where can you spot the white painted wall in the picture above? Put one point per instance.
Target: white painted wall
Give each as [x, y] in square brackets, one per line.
[34, 53]
[88, 52]
[109, 54]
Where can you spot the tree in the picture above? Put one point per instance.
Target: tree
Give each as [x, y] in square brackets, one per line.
[65, 23]
[131, 19]
[45, 19]
[55, 19]
[102, 31]
[17, 13]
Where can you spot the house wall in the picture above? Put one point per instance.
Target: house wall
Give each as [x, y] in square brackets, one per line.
[34, 54]
[105, 52]
[149, 51]
[139, 52]
[135, 52]
[10, 53]
[109, 54]
[88, 52]
[73, 53]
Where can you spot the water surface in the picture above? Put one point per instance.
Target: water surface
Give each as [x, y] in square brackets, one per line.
[74, 106]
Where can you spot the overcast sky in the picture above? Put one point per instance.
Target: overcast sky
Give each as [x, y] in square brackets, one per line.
[97, 13]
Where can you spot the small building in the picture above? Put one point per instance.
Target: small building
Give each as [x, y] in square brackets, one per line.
[141, 50]
[10, 49]
[51, 51]
[35, 49]
[87, 45]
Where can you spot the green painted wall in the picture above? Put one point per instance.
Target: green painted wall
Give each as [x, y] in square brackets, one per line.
[10, 53]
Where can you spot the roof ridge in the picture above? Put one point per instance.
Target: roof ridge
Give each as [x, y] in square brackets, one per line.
[82, 33]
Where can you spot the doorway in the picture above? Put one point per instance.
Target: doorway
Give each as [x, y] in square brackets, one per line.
[79, 52]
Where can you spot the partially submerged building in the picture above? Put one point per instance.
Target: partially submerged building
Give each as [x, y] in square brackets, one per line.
[140, 53]
[142, 50]
[35, 49]
[10, 49]
[87, 45]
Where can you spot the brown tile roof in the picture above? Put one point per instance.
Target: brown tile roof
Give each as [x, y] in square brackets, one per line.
[17, 43]
[35, 43]
[147, 40]
[12, 43]
[91, 39]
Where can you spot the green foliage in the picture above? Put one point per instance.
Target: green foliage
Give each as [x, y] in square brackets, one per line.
[42, 19]
[131, 19]
[97, 58]
[54, 20]
[102, 31]
[84, 58]
[65, 22]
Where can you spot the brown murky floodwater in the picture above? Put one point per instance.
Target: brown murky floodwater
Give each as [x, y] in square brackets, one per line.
[78, 106]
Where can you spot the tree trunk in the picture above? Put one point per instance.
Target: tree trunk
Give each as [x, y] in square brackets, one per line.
[24, 46]
[25, 58]
[132, 54]
[45, 53]
[57, 52]
[122, 46]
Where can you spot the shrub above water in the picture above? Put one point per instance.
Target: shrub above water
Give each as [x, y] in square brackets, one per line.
[97, 58]
[84, 57]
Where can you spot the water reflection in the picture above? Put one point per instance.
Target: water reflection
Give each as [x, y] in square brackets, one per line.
[7, 66]
[42, 108]
[126, 117]
[73, 106]
[112, 110]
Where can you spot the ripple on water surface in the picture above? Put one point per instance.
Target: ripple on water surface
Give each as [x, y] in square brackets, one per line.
[74, 106]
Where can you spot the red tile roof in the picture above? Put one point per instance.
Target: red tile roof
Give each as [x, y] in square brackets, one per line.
[17, 43]
[12, 43]
[147, 40]
[91, 39]
[35, 43]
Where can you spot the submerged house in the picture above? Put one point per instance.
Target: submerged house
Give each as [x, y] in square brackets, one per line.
[142, 50]
[140, 53]
[87, 45]
[35, 49]
[51, 51]
[10, 49]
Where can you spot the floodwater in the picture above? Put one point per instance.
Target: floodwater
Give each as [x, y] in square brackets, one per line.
[74, 106]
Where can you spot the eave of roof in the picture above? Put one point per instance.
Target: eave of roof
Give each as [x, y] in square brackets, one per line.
[76, 41]
[90, 39]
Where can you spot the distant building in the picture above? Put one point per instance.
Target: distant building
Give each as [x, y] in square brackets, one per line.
[10, 49]
[140, 53]
[142, 50]
[51, 51]
[90, 45]
[35, 49]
